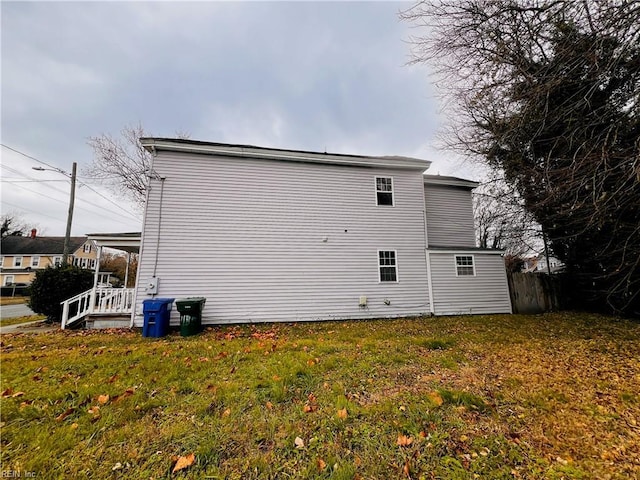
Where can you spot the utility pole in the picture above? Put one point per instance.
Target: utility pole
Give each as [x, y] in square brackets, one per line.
[72, 197]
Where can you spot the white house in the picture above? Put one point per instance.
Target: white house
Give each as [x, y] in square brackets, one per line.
[281, 235]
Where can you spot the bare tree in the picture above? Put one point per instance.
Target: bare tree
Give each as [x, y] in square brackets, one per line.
[547, 91]
[12, 225]
[122, 163]
[502, 222]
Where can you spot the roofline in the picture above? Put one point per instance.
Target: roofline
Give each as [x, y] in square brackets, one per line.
[446, 249]
[154, 144]
[450, 181]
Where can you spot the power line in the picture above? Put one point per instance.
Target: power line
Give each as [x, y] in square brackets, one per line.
[17, 172]
[77, 207]
[32, 158]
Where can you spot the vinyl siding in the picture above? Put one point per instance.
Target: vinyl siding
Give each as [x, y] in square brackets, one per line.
[449, 216]
[249, 236]
[486, 292]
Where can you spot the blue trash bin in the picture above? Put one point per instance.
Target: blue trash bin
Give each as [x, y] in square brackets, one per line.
[157, 312]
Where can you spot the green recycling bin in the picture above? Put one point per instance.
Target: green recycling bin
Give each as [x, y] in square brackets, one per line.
[190, 310]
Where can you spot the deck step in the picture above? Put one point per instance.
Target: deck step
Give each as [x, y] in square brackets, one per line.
[97, 322]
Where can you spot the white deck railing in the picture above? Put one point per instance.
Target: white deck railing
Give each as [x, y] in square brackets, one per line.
[112, 301]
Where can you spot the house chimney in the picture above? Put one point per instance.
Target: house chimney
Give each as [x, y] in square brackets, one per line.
[33, 233]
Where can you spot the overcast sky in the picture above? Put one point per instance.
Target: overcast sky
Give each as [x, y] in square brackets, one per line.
[301, 75]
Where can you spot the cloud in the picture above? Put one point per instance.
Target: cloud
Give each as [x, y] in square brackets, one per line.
[301, 75]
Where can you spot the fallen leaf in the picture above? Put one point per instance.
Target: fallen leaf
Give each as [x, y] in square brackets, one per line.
[66, 413]
[342, 413]
[404, 441]
[321, 464]
[299, 443]
[436, 398]
[406, 470]
[184, 462]
[269, 405]
[17, 394]
[74, 426]
[226, 413]
[102, 399]
[25, 403]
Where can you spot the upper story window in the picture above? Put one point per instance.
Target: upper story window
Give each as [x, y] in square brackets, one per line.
[465, 266]
[86, 248]
[35, 261]
[17, 261]
[8, 280]
[387, 266]
[57, 261]
[384, 190]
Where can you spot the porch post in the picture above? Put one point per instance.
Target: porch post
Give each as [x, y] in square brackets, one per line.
[97, 270]
[126, 272]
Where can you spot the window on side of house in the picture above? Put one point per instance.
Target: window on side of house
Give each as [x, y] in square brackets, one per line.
[8, 280]
[387, 266]
[87, 248]
[17, 261]
[35, 262]
[465, 266]
[384, 191]
[57, 261]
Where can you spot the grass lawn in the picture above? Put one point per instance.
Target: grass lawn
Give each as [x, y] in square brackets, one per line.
[13, 300]
[5, 322]
[516, 397]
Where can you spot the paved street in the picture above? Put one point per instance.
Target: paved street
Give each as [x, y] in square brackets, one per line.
[11, 311]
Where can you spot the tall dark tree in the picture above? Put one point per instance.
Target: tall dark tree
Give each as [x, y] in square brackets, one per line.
[548, 91]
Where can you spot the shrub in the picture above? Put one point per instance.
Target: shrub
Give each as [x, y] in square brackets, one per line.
[54, 285]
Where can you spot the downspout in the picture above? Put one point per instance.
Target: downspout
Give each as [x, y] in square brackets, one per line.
[426, 252]
[142, 235]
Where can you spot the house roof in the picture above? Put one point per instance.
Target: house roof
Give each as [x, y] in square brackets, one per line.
[154, 144]
[128, 242]
[14, 245]
[450, 181]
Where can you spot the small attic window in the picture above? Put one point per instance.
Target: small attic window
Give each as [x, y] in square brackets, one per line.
[384, 191]
[86, 248]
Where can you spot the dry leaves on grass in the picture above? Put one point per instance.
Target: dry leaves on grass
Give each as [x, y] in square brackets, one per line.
[184, 462]
[404, 441]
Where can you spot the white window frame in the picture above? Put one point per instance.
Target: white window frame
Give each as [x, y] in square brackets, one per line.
[57, 260]
[395, 265]
[8, 280]
[392, 192]
[17, 261]
[458, 266]
[35, 261]
[86, 248]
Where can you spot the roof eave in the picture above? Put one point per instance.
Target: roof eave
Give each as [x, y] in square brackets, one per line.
[204, 148]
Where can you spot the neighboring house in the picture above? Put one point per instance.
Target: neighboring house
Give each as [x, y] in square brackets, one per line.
[539, 264]
[281, 235]
[23, 256]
